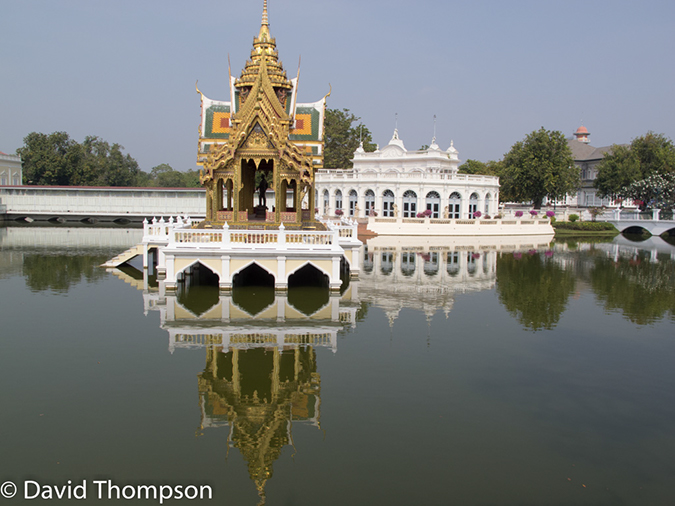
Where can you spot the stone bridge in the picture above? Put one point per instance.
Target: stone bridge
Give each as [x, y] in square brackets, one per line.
[651, 221]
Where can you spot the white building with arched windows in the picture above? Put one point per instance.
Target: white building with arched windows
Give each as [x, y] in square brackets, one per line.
[393, 182]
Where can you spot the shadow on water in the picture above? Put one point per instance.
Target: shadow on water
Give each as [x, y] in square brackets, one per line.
[636, 234]
[198, 291]
[253, 290]
[308, 290]
[253, 299]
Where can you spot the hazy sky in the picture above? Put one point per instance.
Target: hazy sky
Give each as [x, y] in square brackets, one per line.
[491, 71]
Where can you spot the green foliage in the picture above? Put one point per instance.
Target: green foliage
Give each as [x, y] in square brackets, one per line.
[648, 155]
[490, 168]
[595, 212]
[657, 191]
[49, 159]
[594, 226]
[539, 166]
[55, 159]
[341, 139]
[533, 289]
[644, 291]
[573, 217]
[165, 176]
[58, 272]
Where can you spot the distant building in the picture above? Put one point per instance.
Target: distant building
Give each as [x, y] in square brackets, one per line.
[394, 182]
[587, 158]
[10, 170]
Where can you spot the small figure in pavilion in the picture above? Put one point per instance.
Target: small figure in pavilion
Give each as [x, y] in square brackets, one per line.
[262, 189]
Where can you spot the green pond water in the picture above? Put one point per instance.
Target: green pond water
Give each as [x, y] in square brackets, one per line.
[527, 375]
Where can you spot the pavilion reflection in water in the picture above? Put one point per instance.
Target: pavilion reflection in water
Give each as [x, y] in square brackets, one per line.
[261, 374]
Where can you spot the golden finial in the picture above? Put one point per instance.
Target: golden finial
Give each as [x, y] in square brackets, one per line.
[264, 27]
[264, 17]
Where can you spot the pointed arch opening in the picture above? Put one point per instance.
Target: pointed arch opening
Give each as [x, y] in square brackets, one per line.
[253, 275]
[308, 289]
[253, 289]
[197, 289]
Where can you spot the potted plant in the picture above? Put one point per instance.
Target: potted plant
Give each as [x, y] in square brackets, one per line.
[339, 212]
[519, 214]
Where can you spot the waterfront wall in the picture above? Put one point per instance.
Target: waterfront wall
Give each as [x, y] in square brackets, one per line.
[451, 227]
[72, 203]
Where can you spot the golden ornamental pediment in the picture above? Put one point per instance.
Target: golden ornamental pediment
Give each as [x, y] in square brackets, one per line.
[257, 140]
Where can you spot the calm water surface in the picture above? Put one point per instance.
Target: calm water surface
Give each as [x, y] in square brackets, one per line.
[451, 374]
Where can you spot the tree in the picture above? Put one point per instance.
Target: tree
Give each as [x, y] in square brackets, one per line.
[490, 168]
[341, 139]
[539, 166]
[56, 159]
[48, 159]
[656, 191]
[645, 156]
[533, 289]
[643, 290]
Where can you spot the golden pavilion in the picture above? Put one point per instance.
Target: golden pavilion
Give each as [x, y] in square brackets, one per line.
[261, 142]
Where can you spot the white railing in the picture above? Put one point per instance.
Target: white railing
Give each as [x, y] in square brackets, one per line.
[178, 233]
[346, 228]
[652, 215]
[159, 231]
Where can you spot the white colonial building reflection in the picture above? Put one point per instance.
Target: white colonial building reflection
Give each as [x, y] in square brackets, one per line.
[425, 273]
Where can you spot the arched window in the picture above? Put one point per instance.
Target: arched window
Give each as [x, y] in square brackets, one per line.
[326, 201]
[370, 202]
[433, 203]
[473, 204]
[367, 259]
[470, 263]
[487, 203]
[388, 203]
[431, 263]
[453, 263]
[454, 207]
[353, 199]
[387, 263]
[408, 263]
[409, 204]
[338, 199]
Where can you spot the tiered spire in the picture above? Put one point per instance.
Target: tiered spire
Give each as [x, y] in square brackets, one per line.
[264, 47]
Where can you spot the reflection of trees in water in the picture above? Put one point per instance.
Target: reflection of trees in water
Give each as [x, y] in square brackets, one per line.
[643, 290]
[533, 289]
[59, 272]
